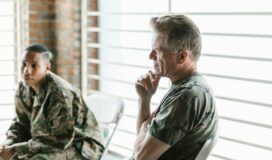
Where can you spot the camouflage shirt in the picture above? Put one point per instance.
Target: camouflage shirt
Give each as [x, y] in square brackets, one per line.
[185, 119]
[53, 120]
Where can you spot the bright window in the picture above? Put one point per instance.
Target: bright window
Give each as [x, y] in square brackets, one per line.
[236, 61]
[8, 62]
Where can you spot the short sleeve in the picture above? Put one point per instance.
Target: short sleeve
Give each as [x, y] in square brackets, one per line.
[171, 122]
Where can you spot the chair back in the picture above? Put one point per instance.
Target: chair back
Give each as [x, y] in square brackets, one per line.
[108, 111]
[207, 147]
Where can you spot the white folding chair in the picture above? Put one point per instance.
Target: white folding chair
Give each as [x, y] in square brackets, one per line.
[108, 111]
[207, 147]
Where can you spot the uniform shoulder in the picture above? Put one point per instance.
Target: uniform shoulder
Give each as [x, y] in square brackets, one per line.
[59, 84]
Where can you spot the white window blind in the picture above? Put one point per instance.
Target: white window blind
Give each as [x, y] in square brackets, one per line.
[9, 42]
[236, 61]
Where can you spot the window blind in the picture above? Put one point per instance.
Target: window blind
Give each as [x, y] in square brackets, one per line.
[236, 61]
[9, 42]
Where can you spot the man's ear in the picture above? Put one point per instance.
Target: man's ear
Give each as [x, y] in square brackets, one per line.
[183, 55]
[180, 56]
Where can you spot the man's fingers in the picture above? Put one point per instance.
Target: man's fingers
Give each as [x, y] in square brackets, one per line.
[140, 84]
[154, 79]
[145, 81]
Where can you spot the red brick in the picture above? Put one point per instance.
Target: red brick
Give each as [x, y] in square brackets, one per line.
[56, 23]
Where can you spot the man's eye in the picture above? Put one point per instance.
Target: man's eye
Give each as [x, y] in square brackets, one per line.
[33, 65]
[24, 64]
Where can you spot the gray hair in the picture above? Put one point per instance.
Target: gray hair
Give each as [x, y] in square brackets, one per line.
[179, 32]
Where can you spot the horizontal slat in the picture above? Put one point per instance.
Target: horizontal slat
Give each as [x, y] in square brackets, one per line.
[129, 56]
[7, 82]
[100, 78]
[7, 90]
[100, 29]
[221, 6]
[92, 91]
[7, 45]
[9, 53]
[8, 40]
[217, 157]
[97, 77]
[238, 151]
[205, 23]
[252, 135]
[243, 90]
[123, 139]
[7, 112]
[126, 22]
[6, 8]
[133, 6]
[97, 13]
[96, 45]
[127, 39]
[132, 107]
[6, 61]
[115, 148]
[5, 124]
[125, 90]
[7, 23]
[128, 124]
[7, 97]
[212, 45]
[7, 64]
[232, 67]
[237, 57]
[2, 138]
[127, 73]
[237, 46]
[124, 72]
[120, 63]
[244, 111]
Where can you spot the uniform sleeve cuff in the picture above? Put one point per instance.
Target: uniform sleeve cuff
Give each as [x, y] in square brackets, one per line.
[22, 149]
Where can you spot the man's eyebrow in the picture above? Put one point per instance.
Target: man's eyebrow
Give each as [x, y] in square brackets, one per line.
[34, 62]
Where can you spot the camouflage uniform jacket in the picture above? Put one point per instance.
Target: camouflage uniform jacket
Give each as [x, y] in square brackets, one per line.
[53, 120]
[185, 119]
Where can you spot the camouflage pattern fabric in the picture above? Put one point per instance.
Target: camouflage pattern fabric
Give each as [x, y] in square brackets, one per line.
[185, 119]
[54, 122]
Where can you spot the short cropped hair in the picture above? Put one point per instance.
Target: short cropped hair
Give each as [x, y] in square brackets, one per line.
[179, 32]
[40, 48]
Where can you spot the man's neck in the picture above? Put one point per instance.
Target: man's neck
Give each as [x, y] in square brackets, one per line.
[38, 87]
[183, 73]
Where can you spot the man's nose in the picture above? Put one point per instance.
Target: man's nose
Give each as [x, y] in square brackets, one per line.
[27, 70]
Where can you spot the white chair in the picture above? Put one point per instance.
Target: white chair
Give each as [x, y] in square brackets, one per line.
[108, 111]
[207, 147]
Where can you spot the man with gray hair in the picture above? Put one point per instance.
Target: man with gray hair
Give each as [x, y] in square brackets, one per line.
[186, 117]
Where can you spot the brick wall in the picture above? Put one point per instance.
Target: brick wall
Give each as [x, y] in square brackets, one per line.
[57, 24]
